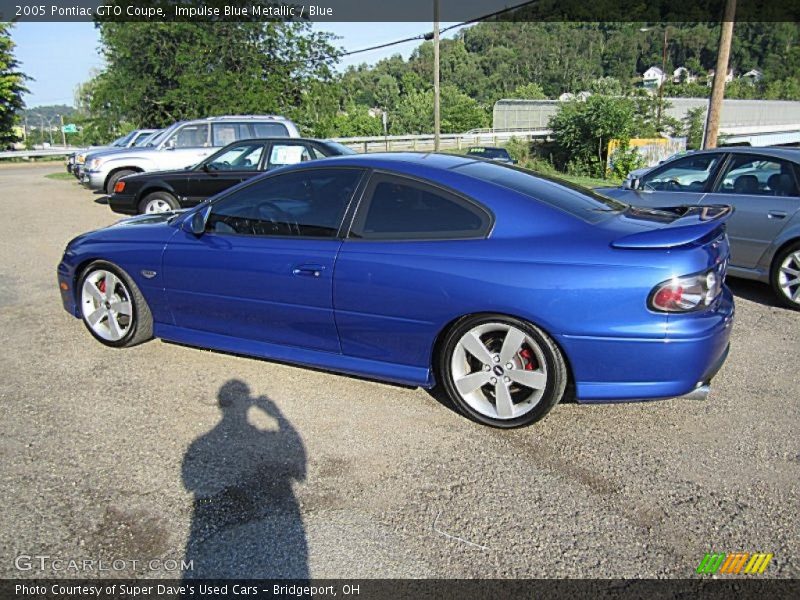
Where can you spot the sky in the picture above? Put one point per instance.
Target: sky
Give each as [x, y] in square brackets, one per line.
[59, 56]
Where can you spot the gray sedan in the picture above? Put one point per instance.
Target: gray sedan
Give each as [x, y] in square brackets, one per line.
[762, 184]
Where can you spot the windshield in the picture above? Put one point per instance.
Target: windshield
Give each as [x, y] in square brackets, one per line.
[489, 152]
[122, 141]
[581, 202]
[159, 136]
[340, 148]
[146, 139]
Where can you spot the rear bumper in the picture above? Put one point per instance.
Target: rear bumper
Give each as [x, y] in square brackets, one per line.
[636, 369]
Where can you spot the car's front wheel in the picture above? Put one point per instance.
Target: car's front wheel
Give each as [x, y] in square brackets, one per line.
[501, 371]
[785, 276]
[158, 202]
[112, 307]
[112, 181]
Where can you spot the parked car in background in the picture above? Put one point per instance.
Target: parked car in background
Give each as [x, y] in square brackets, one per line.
[639, 173]
[762, 184]
[492, 153]
[162, 191]
[183, 144]
[126, 141]
[500, 286]
[141, 142]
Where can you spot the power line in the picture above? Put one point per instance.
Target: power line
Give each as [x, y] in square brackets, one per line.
[424, 36]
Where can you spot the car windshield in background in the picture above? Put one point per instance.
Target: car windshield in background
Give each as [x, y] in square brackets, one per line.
[489, 153]
[343, 150]
[573, 199]
[158, 137]
[122, 141]
[146, 139]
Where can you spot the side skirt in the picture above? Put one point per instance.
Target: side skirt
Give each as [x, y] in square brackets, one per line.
[360, 367]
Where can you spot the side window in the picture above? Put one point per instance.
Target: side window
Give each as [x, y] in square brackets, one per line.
[752, 175]
[288, 154]
[689, 174]
[307, 203]
[190, 136]
[227, 133]
[395, 208]
[239, 157]
[270, 130]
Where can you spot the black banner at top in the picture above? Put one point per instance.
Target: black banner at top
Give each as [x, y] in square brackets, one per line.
[165, 11]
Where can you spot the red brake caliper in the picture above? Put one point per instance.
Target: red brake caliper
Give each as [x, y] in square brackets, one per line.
[527, 359]
[102, 285]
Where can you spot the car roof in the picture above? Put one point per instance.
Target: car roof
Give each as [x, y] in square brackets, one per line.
[406, 159]
[772, 151]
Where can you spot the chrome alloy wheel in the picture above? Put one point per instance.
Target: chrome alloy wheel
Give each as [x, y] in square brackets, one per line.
[106, 305]
[789, 277]
[157, 205]
[499, 370]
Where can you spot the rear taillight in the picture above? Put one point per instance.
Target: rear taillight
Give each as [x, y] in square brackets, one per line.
[688, 293]
[119, 187]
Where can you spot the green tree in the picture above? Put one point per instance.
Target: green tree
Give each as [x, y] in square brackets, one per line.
[529, 91]
[459, 113]
[159, 73]
[12, 87]
[582, 131]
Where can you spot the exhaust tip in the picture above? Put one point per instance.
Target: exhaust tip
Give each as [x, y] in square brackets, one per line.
[699, 393]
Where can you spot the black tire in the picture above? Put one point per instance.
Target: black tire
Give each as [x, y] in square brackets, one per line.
[556, 368]
[774, 276]
[141, 326]
[115, 177]
[160, 195]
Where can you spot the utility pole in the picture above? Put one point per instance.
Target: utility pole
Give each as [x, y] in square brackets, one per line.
[63, 133]
[663, 78]
[437, 124]
[720, 74]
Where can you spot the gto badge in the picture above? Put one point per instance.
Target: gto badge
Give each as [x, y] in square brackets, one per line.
[148, 274]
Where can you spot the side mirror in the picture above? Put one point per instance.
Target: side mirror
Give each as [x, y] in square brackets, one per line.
[197, 224]
[631, 184]
[170, 145]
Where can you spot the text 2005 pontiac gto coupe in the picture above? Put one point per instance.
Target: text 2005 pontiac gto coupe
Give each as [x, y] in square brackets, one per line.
[500, 286]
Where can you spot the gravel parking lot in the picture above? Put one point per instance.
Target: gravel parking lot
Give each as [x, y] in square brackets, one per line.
[256, 469]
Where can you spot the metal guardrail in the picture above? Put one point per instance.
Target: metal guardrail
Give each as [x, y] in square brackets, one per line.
[449, 141]
[379, 143]
[37, 153]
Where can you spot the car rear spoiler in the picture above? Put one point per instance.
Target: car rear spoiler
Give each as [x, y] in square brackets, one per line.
[693, 224]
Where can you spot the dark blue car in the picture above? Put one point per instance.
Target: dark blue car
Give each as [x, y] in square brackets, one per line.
[503, 287]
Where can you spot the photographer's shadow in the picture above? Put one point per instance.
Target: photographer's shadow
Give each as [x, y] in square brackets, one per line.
[246, 521]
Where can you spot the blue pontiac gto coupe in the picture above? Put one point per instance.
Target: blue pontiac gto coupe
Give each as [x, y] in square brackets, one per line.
[501, 286]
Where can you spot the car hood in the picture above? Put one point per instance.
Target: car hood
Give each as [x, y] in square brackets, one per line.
[120, 153]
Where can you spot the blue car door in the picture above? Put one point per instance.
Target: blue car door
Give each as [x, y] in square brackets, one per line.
[395, 284]
[263, 268]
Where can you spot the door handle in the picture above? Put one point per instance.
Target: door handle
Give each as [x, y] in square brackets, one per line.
[308, 270]
[773, 214]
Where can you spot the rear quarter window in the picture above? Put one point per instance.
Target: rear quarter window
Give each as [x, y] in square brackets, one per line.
[578, 201]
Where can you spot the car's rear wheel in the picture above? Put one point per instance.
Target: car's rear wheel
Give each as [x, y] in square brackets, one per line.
[112, 307]
[158, 202]
[501, 371]
[115, 177]
[785, 276]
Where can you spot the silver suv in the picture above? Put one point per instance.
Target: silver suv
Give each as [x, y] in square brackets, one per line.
[179, 146]
[126, 141]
